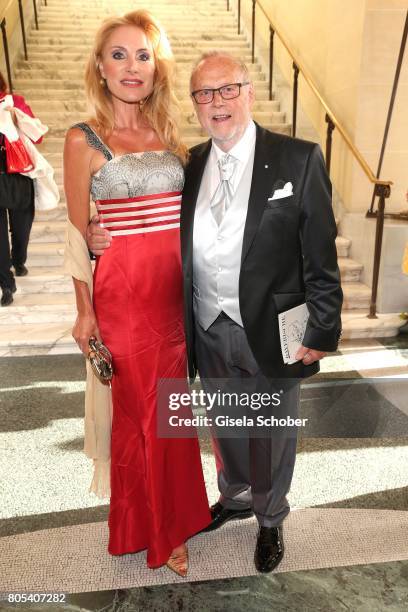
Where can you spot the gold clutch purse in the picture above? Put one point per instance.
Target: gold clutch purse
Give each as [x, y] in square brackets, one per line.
[100, 360]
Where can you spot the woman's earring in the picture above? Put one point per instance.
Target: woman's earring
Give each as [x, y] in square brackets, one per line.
[102, 82]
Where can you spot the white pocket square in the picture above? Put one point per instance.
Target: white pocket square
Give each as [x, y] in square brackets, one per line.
[287, 190]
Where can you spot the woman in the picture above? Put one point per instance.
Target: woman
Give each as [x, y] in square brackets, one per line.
[16, 208]
[130, 158]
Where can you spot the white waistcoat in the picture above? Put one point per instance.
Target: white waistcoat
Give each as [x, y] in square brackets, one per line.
[217, 252]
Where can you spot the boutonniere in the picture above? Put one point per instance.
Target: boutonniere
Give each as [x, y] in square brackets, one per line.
[281, 190]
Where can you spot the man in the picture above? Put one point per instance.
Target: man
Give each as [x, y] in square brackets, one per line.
[249, 254]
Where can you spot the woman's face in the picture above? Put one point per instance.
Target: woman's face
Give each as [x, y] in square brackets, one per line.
[127, 64]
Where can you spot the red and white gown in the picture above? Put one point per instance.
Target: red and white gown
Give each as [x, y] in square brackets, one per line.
[158, 496]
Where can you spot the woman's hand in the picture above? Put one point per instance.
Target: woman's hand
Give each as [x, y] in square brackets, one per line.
[85, 327]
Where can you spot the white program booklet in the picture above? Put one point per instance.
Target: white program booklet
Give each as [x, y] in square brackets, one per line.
[292, 326]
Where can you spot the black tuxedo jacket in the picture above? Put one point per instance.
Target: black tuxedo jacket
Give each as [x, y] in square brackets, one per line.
[288, 253]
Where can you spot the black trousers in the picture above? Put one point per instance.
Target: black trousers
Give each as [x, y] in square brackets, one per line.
[20, 221]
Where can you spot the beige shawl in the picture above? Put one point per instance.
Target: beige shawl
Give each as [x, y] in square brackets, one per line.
[98, 397]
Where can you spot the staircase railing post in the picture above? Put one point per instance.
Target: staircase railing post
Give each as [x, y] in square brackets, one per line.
[295, 97]
[253, 30]
[271, 35]
[391, 105]
[330, 128]
[239, 16]
[21, 12]
[35, 14]
[383, 191]
[6, 54]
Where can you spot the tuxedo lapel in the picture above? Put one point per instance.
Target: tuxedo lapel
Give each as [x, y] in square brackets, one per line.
[194, 175]
[264, 175]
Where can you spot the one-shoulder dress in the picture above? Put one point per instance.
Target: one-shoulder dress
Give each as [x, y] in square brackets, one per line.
[158, 496]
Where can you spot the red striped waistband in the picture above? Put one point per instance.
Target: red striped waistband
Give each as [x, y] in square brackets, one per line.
[149, 213]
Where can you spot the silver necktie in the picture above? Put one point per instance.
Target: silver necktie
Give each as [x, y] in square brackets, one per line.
[224, 193]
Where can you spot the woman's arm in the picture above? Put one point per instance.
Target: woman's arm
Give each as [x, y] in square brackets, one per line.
[77, 178]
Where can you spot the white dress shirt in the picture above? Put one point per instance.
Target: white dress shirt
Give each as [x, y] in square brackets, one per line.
[217, 248]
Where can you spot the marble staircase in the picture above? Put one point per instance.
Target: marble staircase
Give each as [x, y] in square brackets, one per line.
[41, 317]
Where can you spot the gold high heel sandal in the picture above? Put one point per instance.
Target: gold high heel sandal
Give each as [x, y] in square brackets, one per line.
[178, 563]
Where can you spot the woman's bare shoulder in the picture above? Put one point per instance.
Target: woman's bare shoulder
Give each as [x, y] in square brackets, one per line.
[76, 140]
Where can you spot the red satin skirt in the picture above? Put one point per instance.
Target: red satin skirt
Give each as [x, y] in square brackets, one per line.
[158, 496]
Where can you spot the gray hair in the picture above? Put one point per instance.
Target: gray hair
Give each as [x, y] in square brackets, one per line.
[221, 55]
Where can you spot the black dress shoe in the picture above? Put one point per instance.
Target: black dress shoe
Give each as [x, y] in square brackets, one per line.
[20, 270]
[7, 297]
[269, 549]
[221, 515]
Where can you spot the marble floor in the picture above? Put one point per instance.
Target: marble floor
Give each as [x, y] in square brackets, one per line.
[367, 588]
[40, 442]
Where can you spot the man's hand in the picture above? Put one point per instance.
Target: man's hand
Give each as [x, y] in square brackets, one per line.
[308, 355]
[97, 238]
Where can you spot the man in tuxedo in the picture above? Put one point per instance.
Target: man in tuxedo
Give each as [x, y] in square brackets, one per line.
[257, 238]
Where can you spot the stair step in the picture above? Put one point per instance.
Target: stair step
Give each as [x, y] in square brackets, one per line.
[167, 19]
[77, 74]
[45, 254]
[342, 245]
[169, 14]
[53, 146]
[52, 64]
[37, 314]
[81, 45]
[85, 38]
[51, 85]
[97, 12]
[187, 129]
[77, 109]
[350, 270]
[32, 339]
[356, 296]
[48, 231]
[55, 215]
[192, 137]
[80, 53]
[357, 325]
[48, 283]
[58, 127]
[177, 41]
[50, 226]
[55, 337]
[50, 255]
[39, 309]
[62, 95]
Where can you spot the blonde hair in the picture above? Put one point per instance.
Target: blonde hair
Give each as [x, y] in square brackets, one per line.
[161, 108]
[222, 55]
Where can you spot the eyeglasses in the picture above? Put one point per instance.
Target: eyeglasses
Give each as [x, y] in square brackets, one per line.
[227, 92]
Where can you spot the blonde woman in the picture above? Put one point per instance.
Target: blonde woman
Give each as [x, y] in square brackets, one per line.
[130, 159]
